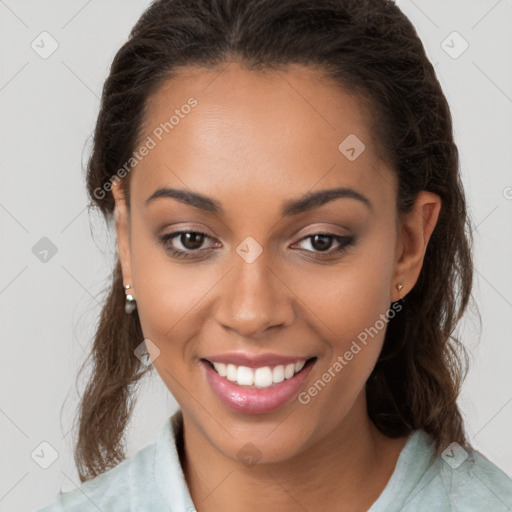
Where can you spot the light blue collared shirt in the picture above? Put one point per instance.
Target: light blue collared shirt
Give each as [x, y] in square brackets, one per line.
[153, 480]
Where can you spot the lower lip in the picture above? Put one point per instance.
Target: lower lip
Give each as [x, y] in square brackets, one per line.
[253, 400]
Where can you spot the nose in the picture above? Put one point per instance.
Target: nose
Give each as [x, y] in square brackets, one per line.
[253, 299]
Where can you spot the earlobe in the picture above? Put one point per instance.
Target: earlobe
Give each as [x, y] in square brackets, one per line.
[416, 228]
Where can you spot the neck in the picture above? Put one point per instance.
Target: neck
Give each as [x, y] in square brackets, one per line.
[351, 465]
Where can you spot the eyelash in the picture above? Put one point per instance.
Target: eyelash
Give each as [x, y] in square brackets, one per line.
[344, 241]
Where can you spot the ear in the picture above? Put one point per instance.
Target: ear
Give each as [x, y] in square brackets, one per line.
[415, 230]
[122, 225]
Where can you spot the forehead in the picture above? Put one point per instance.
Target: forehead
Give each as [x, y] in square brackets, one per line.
[221, 129]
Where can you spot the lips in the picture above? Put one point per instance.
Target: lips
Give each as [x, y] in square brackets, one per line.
[255, 385]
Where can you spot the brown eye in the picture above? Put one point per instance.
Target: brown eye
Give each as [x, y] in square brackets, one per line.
[184, 244]
[191, 240]
[323, 242]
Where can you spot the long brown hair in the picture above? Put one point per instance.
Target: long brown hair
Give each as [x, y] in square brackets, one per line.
[370, 48]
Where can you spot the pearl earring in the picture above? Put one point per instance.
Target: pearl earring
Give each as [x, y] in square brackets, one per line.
[130, 304]
[399, 287]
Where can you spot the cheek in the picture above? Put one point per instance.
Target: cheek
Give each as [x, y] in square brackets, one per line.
[350, 305]
[166, 292]
[349, 302]
[169, 299]
[352, 295]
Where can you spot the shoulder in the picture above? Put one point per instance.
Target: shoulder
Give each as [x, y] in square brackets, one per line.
[458, 480]
[475, 484]
[112, 490]
[152, 479]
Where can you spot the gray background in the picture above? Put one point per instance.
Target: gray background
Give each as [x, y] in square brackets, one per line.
[49, 308]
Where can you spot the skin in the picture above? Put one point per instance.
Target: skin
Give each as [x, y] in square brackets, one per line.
[255, 140]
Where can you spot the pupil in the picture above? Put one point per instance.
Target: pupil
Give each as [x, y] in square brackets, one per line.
[192, 240]
[325, 242]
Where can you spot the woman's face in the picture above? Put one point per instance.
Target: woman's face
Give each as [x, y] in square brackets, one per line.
[255, 282]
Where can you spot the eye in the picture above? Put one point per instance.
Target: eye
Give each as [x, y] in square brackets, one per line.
[322, 243]
[190, 242]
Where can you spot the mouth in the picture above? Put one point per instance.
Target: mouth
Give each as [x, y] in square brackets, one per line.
[256, 390]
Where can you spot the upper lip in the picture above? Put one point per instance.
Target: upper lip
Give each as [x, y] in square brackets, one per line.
[255, 361]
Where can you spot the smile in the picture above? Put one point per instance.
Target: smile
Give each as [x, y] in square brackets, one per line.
[256, 389]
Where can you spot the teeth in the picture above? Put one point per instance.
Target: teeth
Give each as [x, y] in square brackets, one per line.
[230, 372]
[262, 377]
[221, 369]
[244, 376]
[289, 370]
[278, 374]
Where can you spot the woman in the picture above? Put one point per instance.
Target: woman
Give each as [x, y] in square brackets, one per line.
[293, 256]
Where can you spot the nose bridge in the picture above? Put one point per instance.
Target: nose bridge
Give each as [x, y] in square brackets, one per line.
[252, 298]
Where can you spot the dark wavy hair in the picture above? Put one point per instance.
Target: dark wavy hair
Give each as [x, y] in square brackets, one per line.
[367, 47]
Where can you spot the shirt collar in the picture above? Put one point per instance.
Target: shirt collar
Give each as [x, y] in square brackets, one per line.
[168, 472]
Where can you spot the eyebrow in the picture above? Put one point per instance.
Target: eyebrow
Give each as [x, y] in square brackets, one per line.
[305, 203]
